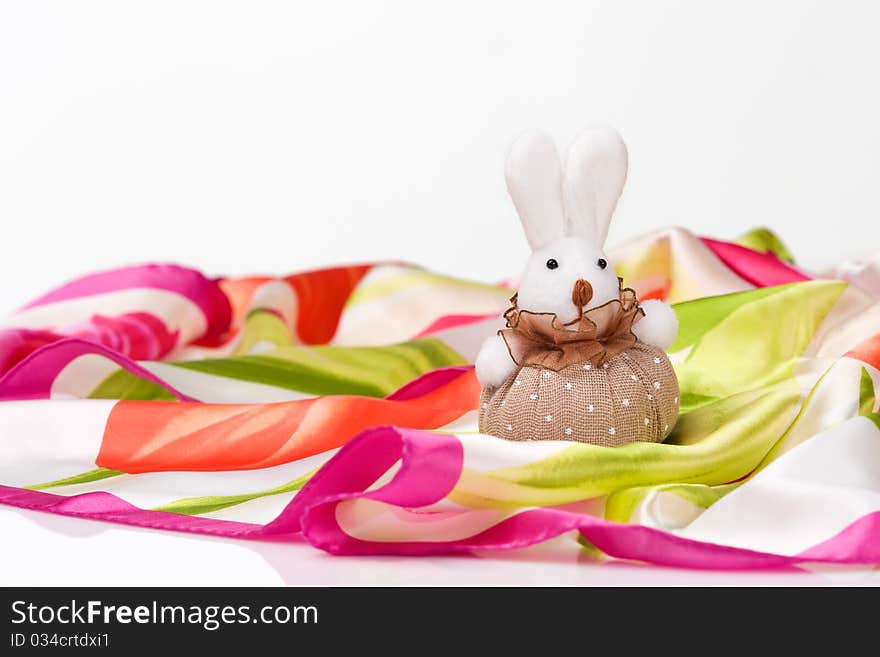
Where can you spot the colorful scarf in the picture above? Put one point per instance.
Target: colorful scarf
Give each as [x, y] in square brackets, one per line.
[340, 406]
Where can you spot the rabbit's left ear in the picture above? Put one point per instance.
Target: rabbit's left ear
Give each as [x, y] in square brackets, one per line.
[595, 172]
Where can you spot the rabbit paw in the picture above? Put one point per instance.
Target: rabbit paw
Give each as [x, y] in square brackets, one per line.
[659, 326]
[494, 364]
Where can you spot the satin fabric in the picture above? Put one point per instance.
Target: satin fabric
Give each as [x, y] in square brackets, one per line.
[340, 406]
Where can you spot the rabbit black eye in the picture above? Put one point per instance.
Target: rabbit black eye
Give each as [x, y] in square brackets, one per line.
[552, 264]
[602, 263]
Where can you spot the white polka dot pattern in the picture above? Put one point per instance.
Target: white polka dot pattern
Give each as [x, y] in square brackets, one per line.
[625, 400]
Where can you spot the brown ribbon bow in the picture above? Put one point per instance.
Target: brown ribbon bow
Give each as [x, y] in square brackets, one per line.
[541, 340]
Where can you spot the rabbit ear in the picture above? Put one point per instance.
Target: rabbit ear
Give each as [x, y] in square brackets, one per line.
[595, 172]
[534, 180]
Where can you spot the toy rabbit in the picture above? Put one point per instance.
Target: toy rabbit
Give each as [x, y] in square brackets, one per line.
[581, 359]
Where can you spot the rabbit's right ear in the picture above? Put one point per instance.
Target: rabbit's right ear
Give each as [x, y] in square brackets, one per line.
[534, 180]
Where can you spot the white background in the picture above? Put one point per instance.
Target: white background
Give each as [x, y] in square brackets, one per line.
[273, 137]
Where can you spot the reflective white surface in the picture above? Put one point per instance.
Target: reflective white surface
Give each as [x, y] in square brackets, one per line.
[43, 550]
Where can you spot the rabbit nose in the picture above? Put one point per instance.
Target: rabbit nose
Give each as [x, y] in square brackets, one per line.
[582, 293]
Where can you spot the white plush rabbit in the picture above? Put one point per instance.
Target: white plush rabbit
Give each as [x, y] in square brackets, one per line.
[565, 214]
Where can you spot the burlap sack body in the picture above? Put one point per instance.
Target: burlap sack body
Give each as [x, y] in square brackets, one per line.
[634, 398]
[590, 380]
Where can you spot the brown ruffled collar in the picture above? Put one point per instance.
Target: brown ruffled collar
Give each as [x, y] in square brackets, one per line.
[541, 340]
